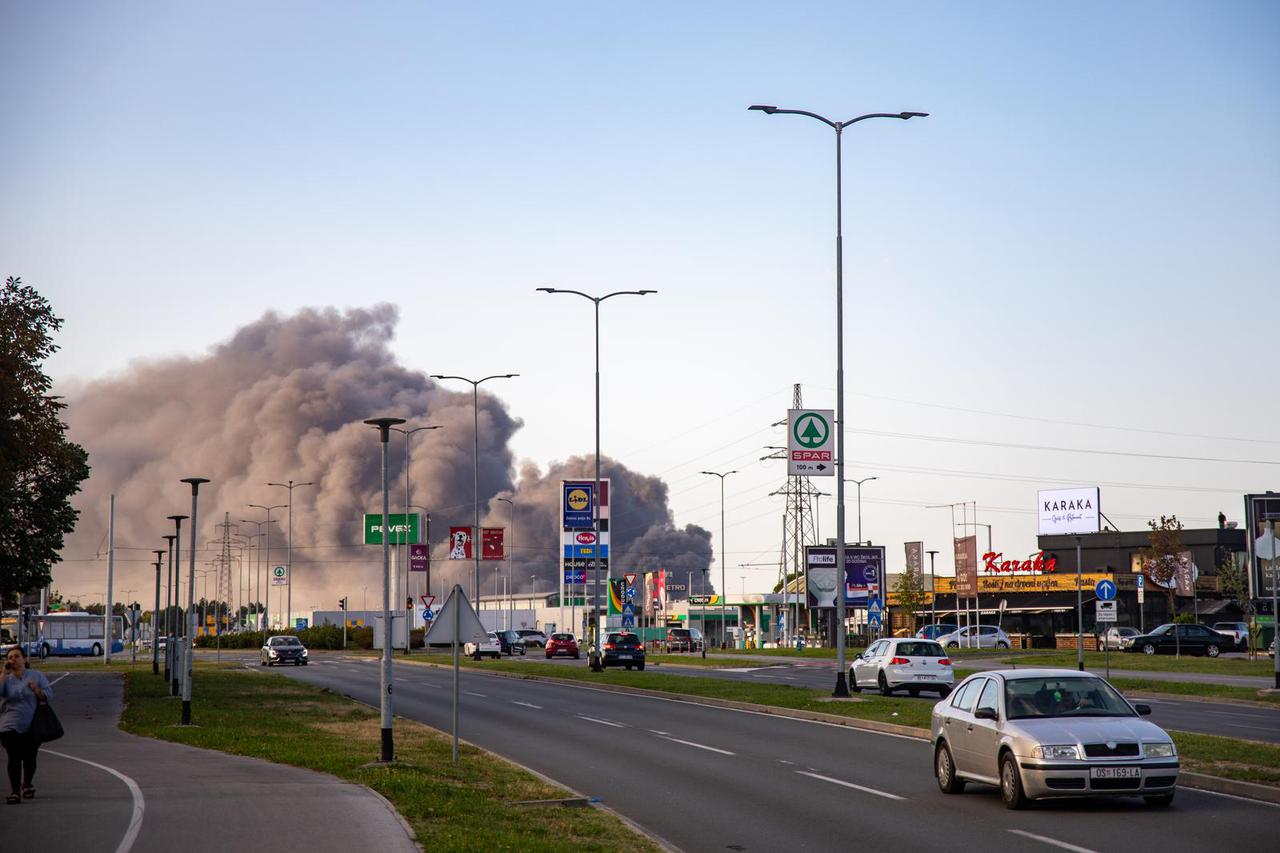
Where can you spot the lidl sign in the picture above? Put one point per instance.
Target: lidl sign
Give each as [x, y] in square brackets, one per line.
[403, 529]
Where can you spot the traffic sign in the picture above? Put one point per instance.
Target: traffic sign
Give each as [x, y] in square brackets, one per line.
[630, 578]
[874, 607]
[1105, 590]
[427, 601]
[1141, 589]
[1106, 611]
[279, 575]
[810, 448]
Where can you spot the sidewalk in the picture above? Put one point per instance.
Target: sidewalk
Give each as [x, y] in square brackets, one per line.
[99, 789]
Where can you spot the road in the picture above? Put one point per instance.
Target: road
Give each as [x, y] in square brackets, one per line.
[707, 778]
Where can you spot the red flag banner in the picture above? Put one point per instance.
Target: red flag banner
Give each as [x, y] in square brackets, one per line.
[460, 543]
[491, 543]
[966, 556]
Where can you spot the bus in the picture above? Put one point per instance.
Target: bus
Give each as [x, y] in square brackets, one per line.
[74, 634]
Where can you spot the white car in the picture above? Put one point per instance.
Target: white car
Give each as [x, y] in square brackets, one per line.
[1117, 638]
[976, 637]
[902, 664]
[489, 646]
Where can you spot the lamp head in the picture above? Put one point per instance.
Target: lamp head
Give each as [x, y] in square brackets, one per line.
[768, 109]
[905, 116]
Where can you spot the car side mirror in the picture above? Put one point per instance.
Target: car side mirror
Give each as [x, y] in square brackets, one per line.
[1143, 710]
[985, 714]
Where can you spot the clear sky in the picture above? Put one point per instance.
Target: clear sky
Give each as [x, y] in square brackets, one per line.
[1084, 230]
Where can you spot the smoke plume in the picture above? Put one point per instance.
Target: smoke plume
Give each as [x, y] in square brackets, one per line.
[284, 399]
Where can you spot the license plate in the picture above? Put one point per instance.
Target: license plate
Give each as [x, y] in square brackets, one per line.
[1114, 773]
[624, 657]
[924, 678]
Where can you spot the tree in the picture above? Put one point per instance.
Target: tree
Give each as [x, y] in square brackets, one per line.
[910, 594]
[39, 468]
[1162, 559]
[1235, 586]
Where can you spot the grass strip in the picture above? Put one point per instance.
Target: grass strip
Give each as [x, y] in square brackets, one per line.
[1152, 663]
[1197, 688]
[1245, 760]
[463, 806]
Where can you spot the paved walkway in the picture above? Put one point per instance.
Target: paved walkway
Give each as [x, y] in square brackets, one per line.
[99, 789]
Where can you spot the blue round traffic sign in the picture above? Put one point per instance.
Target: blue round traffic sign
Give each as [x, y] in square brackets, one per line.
[1105, 590]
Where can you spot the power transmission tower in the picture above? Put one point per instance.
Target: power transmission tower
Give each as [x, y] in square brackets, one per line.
[223, 593]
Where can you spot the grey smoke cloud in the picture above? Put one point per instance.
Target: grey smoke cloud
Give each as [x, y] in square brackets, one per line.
[285, 398]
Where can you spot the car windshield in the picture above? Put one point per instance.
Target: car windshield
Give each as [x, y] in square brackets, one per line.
[1067, 696]
[564, 638]
[679, 633]
[921, 650]
[625, 639]
[1163, 629]
[493, 638]
[285, 641]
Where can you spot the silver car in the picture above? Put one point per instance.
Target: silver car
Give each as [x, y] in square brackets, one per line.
[902, 664]
[976, 637]
[1117, 637]
[1037, 733]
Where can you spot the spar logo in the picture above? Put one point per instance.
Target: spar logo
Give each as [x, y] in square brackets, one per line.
[586, 538]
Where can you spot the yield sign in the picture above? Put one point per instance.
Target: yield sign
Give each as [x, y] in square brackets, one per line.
[631, 578]
[427, 601]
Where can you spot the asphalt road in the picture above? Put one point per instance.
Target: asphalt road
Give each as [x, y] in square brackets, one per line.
[709, 779]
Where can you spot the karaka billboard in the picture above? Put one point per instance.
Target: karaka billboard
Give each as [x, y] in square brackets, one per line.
[1068, 511]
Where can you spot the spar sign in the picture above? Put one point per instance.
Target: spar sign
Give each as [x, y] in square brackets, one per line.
[810, 443]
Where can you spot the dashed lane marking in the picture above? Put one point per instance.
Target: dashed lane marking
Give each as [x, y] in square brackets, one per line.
[861, 788]
[601, 722]
[1044, 839]
[697, 745]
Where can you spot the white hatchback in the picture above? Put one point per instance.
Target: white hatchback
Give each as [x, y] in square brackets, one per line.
[489, 646]
[902, 664]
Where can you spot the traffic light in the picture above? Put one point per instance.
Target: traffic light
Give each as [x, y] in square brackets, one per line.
[342, 604]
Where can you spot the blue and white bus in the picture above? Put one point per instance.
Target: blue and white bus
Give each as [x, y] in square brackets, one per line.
[75, 634]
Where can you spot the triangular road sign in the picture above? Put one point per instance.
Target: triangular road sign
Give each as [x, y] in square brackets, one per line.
[427, 601]
[456, 611]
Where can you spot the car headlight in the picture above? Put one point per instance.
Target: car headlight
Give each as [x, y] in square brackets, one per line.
[273, 654]
[1158, 750]
[1056, 751]
[304, 653]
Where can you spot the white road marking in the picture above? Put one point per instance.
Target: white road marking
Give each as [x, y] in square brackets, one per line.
[861, 788]
[601, 722]
[784, 761]
[429, 684]
[59, 678]
[656, 732]
[481, 695]
[1256, 728]
[139, 804]
[527, 705]
[697, 745]
[1044, 839]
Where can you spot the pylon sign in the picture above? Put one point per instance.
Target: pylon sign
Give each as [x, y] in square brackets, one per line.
[811, 443]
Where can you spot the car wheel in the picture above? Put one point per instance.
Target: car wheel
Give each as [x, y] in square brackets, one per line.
[1011, 783]
[944, 768]
[576, 656]
[640, 667]
[1159, 800]
[262, 663]
[1002, 645]
[913, 691]
[97, 650]
[885, 689]
[1148, 648]
[953, 645]
[1212, 650]
[548, 655]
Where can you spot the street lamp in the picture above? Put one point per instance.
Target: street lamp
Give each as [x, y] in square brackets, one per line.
[194, 482]
[266, 604]
[475, 464]
[596, 665]
[933, 592]
[383, 425]
[171, 620]
[512, 504]
[842, 687]
[288, 618]
[859, 483]
[155, 618]
[724, 591]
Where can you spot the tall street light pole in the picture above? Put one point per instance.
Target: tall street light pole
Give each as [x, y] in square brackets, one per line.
[933, 592]
[475, 466]
[256, 600]
[723, 589]
[512, 573]
[155, 619]
[171, 623]
[408, 462]
[859, 483]
[288, 611]
[596, 665]
[383, 425]
[188, 622]
[842, 687]
[266, 604]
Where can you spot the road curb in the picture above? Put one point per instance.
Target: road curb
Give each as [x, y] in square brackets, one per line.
[1201, 781]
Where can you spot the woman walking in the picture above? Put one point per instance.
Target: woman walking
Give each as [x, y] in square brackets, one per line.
[21, 690]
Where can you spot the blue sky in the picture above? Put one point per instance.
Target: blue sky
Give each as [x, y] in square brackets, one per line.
[1083, 230]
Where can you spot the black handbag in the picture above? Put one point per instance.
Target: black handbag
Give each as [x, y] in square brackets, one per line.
[45, 725]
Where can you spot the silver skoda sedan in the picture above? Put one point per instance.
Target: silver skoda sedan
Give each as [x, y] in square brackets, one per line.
[1050, 733]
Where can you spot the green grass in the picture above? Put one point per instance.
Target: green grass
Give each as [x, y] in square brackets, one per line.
[698, 660]
[1248, 761]
[463, 806]
[1152, 663]
[783, 653]
[1195, 688]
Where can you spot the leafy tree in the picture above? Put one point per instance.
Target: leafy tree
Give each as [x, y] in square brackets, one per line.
[1235, 586]
[39, 468]
[910, 594]
[1161, 560]
[791, 576]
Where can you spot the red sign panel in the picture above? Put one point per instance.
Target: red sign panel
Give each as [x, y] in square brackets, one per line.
[966, 556]
[460, 543]
[586, 538]
[811, 455]
[419, 558]
[491, 543]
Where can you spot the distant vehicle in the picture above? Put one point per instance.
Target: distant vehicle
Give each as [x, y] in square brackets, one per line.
[1271, 649]
[488, 647]
[1238, 631]
[976, 637]
[283, 648]
[510, 642]
[1050, 733]
[623, 649]
[933, 632]
[76, 633]
[684, 640]
[1117, 638]
[532, 639]
[562, 644]
[1188, 639]
[902, 664]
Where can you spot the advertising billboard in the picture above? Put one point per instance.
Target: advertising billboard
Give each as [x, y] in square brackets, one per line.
[863, 568]
[1262, 522]
[1066, 511]
[966, 557]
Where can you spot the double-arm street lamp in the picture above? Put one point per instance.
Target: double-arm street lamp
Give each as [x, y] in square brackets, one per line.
[291, 485]
[387, 753]
[859, 483]
[842, 687]
[595, 656]
[475, 467]
[266, 604]
[723, 589]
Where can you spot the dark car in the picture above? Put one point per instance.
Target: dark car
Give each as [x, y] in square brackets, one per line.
[624, 649]
[511, 643]
[684, 640]
[562, 644]
[284, 649]
[1186, 639]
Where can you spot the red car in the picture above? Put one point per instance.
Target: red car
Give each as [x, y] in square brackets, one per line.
[562, 644]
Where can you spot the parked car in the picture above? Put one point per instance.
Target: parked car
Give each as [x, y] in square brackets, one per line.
[284, 649]
[1238, 631]
[1116, 637]
[1271, 649]
[562, 644]
[623, 649]
[902, 664]
[976, 637]
[1187, 639]
[532, 639]
[511, 643]
[1050, 733]
[933, 632]
[684, 640]
[488, 647]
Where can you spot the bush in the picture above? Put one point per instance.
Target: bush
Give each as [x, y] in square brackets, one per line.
[1184, 619]
[317, 637]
